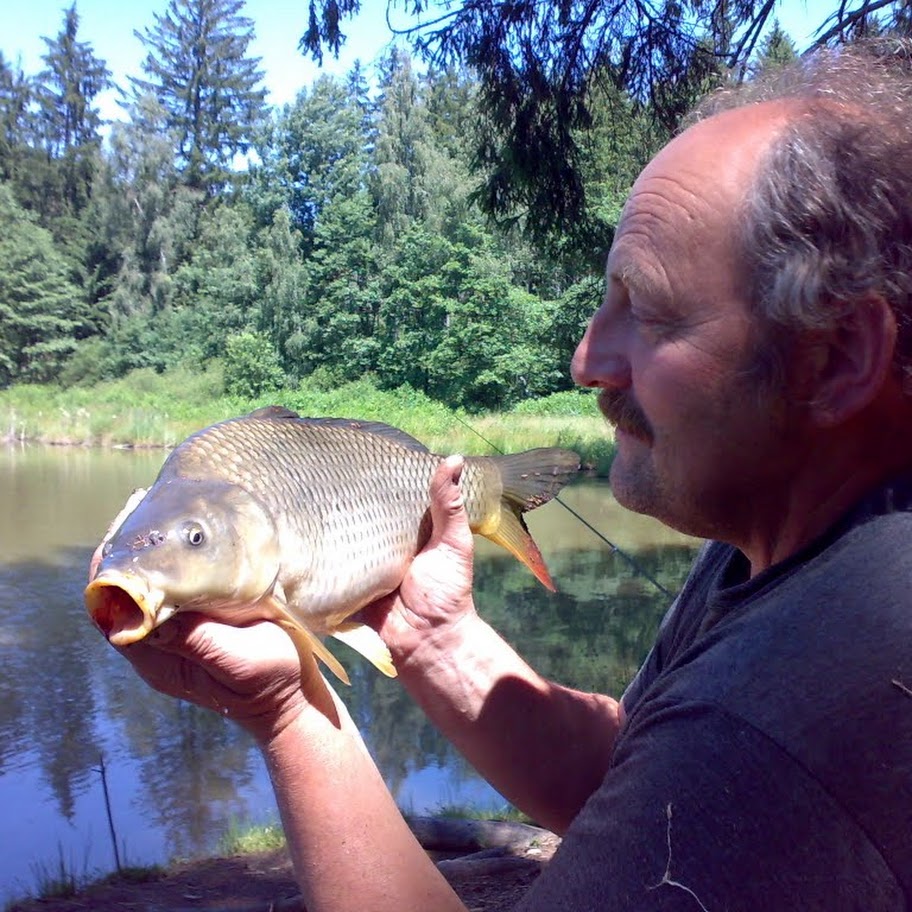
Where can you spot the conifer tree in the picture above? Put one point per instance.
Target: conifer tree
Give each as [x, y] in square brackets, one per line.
[68, 121]
[16, 93]
[41, 314]
[776, 50]
[197, 66]
[68, 87]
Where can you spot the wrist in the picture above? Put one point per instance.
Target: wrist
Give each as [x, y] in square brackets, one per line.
[455, 668]
[307, 738]
[420, 649]
[267, 726]
[294, 711]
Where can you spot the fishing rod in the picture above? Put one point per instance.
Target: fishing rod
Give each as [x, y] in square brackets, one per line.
[635, 565]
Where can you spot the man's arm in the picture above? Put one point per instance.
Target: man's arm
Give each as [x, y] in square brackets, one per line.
[544, 747]
[350, 846]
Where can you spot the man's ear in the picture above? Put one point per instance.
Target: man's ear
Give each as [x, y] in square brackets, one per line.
[852, 362]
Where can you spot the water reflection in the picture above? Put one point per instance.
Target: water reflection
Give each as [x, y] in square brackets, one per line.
[179, 775]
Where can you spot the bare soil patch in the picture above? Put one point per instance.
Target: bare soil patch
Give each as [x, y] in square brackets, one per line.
[264, 882]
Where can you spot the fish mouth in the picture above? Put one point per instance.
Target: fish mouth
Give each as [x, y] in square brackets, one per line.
[121, 609]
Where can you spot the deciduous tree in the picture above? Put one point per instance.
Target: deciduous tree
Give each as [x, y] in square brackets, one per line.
[41, 312]
[314, 150]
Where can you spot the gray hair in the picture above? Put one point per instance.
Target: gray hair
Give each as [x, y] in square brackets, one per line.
[828, 220]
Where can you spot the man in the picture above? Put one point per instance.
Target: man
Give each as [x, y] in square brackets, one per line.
[753, 351]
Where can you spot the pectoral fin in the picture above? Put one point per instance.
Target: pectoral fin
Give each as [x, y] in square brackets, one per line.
[367, 641]
[306, 642]
[311, 644]
[313, 684]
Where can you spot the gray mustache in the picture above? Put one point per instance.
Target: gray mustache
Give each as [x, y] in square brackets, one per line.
[620, 409]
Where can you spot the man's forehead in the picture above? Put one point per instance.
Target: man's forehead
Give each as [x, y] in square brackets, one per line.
[695, 184]
[724, 148]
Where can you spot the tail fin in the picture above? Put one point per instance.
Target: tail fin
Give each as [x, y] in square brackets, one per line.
[530, 479]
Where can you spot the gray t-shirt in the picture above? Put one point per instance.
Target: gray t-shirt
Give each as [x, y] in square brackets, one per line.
[766, 761]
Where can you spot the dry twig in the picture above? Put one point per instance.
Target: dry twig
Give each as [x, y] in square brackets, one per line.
[666, 877]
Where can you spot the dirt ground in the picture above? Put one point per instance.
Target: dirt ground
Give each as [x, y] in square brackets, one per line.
[264, 883]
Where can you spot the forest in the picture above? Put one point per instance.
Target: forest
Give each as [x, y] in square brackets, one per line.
[353, 234]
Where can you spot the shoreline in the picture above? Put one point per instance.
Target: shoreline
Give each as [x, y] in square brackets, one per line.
[490, 862]
[595, 453]
[145, 410]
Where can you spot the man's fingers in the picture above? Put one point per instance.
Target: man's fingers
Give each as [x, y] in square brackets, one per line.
[450, 523]
[193, 657]
[446, 496]
[224, 650]
[182, 635]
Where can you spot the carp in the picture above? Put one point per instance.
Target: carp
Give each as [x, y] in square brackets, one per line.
[302, 521]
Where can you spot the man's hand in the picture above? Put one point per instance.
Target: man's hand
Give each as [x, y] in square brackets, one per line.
[249, 674]
[436, 593]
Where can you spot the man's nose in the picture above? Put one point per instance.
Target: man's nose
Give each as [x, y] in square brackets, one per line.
[600, 358]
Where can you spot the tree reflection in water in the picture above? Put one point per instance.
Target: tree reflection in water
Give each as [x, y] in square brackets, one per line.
[179, 775]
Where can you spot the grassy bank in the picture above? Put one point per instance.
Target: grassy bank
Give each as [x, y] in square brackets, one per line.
[65, 885]
[62, 878]
[146, 409]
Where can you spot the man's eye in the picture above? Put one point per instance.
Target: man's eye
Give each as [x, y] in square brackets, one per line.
[645, 319]
[653, 327]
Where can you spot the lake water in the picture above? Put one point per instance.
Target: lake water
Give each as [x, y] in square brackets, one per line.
[178, 776]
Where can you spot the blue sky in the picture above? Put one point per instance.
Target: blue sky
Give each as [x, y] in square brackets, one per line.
[108, 25]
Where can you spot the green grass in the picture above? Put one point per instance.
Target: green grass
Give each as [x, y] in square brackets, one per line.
[505, 814]
[63, 878]
[136, 874]
[145, 409]
[247, 839]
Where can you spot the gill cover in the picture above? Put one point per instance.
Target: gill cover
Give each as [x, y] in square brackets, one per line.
[187, 545]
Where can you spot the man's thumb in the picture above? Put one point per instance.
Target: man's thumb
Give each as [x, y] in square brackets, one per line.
[447, 503]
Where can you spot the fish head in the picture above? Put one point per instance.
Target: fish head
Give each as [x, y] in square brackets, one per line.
[204, 546]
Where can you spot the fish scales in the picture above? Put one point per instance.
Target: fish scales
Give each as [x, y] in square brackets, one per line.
[301, 521]
[321, 486]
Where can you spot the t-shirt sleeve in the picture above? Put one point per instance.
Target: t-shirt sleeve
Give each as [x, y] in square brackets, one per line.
[701, 811]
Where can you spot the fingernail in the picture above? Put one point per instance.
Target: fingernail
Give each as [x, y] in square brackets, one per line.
[455, 463]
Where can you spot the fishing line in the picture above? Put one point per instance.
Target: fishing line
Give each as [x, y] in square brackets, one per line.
[635, 565]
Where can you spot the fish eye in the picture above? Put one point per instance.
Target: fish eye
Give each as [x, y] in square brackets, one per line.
[193, 534]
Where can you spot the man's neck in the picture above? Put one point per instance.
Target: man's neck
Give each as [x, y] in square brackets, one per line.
[836, 473]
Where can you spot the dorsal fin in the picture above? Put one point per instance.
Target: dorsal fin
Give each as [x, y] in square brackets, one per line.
[372, 427]
[279, 412]
[273, 411]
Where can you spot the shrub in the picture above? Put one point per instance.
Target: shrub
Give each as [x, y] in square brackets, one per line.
[251, 366]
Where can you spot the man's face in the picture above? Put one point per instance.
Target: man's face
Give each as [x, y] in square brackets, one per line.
[673, 346]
